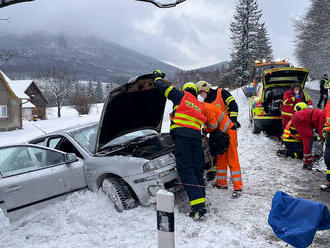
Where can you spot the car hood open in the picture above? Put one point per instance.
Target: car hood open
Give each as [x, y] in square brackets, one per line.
[133, 106]
[284, 76]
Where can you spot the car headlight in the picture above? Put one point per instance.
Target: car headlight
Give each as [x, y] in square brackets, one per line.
[159, 163]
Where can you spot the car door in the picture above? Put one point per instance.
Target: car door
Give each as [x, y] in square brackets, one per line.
[74, 176]
[31, 175]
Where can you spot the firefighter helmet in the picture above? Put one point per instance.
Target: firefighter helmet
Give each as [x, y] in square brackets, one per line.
[190, 85]
[300, 106]
[204, 86]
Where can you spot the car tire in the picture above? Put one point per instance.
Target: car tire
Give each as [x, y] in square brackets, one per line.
[119, 193]
[254, 127]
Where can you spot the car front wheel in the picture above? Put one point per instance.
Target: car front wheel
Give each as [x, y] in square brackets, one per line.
[119, 193]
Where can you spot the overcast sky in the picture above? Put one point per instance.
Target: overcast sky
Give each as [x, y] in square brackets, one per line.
[193, 34]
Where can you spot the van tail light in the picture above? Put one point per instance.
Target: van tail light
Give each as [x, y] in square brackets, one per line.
[258, 105]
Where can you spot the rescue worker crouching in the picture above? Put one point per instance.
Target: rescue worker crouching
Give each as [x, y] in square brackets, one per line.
[305, 121]
[186, 122]
[291, 138]
[217, 118]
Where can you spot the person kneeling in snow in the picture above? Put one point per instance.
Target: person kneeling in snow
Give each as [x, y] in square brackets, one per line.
[291, 138]
[305, 121]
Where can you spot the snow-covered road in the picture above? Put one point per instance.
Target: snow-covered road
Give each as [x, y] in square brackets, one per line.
[87, 219]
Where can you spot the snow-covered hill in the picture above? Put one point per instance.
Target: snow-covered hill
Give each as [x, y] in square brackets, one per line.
[88, 220]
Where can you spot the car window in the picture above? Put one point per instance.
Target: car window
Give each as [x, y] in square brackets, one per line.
[64, 145]
[52, 143]
[17, 160]
[40, 142]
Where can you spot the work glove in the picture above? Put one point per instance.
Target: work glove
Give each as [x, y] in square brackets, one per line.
[158, 74]
[237, 124]
[204, 132]
[325, 135]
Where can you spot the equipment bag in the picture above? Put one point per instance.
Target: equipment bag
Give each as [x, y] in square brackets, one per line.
[296, 221]
[218, 142]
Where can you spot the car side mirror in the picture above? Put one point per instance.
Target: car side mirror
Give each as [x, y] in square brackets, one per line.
[70, 158]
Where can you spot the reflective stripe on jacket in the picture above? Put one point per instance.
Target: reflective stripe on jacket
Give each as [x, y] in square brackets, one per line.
[189, 113]
[290, 134]
[216, 118]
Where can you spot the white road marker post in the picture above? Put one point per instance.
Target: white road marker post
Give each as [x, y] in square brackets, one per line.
[165, 219]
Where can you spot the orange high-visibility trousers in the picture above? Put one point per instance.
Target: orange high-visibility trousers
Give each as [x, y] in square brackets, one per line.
[230, 158]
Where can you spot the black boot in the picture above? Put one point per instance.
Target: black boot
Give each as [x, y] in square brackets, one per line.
[198, 214]
[281, 153]
[210, 176]
[236, 194]
[325, 187]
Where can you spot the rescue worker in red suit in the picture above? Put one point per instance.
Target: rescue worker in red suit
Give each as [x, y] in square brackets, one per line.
[217, 119]
[186, 122]
[291, 138]
[305, 122]
[291, 97]
[326, 136]
[223, 100]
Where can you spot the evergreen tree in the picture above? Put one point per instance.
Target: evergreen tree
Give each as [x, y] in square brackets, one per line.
[99, 93]
[263, 48]
[249, 40]
[91, 90]
[313, 38]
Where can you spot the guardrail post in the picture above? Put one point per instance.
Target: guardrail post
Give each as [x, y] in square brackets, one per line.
[165, 219]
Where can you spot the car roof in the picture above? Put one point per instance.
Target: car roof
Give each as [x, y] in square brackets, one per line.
[66, 130]
[75, 128]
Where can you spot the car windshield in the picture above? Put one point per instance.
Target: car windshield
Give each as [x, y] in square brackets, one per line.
[128, 137]
[86, 137]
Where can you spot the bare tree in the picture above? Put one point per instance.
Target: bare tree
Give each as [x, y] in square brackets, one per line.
[81, 101]
[58, 83]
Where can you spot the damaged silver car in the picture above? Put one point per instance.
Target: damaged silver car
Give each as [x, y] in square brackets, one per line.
[125, 154]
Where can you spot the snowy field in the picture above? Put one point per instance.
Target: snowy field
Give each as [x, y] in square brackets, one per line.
[87, 219]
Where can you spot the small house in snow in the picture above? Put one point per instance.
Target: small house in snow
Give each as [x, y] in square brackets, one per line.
[10, 107]
[33, 100]
[19, 99]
